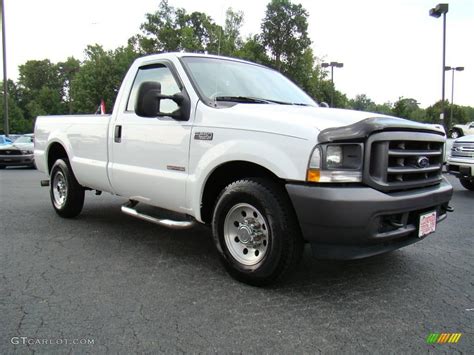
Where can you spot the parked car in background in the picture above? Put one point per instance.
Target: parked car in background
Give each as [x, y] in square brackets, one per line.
[460, 130]
[19, 153]
[14, 137]
[5, 140]
[461, 161]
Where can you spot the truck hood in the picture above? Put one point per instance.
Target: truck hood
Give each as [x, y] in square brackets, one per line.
[307, 122]
[465, 139]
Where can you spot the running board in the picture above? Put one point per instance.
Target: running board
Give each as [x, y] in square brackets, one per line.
[129, 209]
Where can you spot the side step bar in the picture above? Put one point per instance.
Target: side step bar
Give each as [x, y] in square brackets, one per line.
[128, 208]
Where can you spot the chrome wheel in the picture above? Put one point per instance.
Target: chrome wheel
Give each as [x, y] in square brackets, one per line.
[59, 188]
[246, 234]
[454, 134]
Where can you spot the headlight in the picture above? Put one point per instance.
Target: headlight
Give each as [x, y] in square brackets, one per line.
[334, 156]
[27, 152]
[336, 163]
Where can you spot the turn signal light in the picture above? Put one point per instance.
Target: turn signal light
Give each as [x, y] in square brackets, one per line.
[313, 175]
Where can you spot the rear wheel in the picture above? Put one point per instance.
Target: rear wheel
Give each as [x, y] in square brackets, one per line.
[67, 196]
[256, 232]
[468, 184]
[2, 167]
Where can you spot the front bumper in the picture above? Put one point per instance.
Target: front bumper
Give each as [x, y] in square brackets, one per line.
[461, 167]
[356, 222]
[17, 160]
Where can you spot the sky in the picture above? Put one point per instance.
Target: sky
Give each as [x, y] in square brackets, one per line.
[390, 49]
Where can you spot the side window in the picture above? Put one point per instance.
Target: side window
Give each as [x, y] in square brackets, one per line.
[161, 74]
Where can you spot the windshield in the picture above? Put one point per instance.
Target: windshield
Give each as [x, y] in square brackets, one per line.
[24, 139]
[222, 80]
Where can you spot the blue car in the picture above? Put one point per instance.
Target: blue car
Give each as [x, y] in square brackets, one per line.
[5, 140]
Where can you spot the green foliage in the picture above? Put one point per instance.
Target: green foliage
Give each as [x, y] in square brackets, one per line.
[100, 77]
[409, 108]
[468, 114]
[67, 72]
[362, 103]
[253, 50]
[170, 30]
[385, 108]
[17, 122]
[325, 89]
[41, 88]
[231, 41]
[459, 114]
[285, 32]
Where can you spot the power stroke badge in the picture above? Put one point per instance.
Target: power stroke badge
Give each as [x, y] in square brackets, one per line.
[204, 136]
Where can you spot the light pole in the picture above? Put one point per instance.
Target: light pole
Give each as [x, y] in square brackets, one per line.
[6, 127]
[442, 9]
[332, 65]
[453, 69]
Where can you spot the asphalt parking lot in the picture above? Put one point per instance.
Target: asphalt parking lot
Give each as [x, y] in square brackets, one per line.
[129, 286]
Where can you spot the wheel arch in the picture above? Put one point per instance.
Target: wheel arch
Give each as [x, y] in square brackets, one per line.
[55, 151]
[223, 175]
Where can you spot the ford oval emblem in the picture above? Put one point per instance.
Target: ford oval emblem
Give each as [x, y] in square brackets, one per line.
[423, 162]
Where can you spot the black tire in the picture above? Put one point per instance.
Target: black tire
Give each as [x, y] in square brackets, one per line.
[2, 167]
[285, 244]
[468, 184]
[455, 133]
[73, 201]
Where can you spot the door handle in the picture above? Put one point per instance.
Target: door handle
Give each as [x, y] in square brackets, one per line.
[118, 134]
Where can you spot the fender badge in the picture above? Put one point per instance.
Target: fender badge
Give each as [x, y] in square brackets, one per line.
[203, 136]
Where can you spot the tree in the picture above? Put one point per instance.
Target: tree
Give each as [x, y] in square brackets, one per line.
[433, 114]
[41, 88]
[409, 108]
[100, 77]
[253, 50]
[170, 30]
[67, 73]
[385, 108]
[231, 40]
[362, 103]
[16, 120]
[285, 32]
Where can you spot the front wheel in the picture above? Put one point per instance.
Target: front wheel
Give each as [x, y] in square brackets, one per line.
[468, 184]
[256, 232]
[67, 196]
[455, 134]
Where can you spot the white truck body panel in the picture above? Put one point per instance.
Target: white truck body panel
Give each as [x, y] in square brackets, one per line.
[85, 139]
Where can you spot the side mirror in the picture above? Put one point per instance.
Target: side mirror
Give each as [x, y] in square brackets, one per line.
[149, 99]
[324, 104]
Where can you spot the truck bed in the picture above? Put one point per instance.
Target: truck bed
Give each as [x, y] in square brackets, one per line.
[85, 138]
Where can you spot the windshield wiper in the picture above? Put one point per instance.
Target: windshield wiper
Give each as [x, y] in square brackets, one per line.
[242, 99]
[255, 100]
[299, 104]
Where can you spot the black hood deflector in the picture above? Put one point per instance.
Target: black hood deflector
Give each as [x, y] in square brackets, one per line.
[362, 129]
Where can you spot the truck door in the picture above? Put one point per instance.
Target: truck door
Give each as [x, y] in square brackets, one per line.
[149, 156]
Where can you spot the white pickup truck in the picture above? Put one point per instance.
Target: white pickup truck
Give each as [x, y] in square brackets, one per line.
[239, 147]
[461, 161]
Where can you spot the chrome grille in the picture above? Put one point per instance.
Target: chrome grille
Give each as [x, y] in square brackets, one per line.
[10, 152]
[463, 150]
[403, 160]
